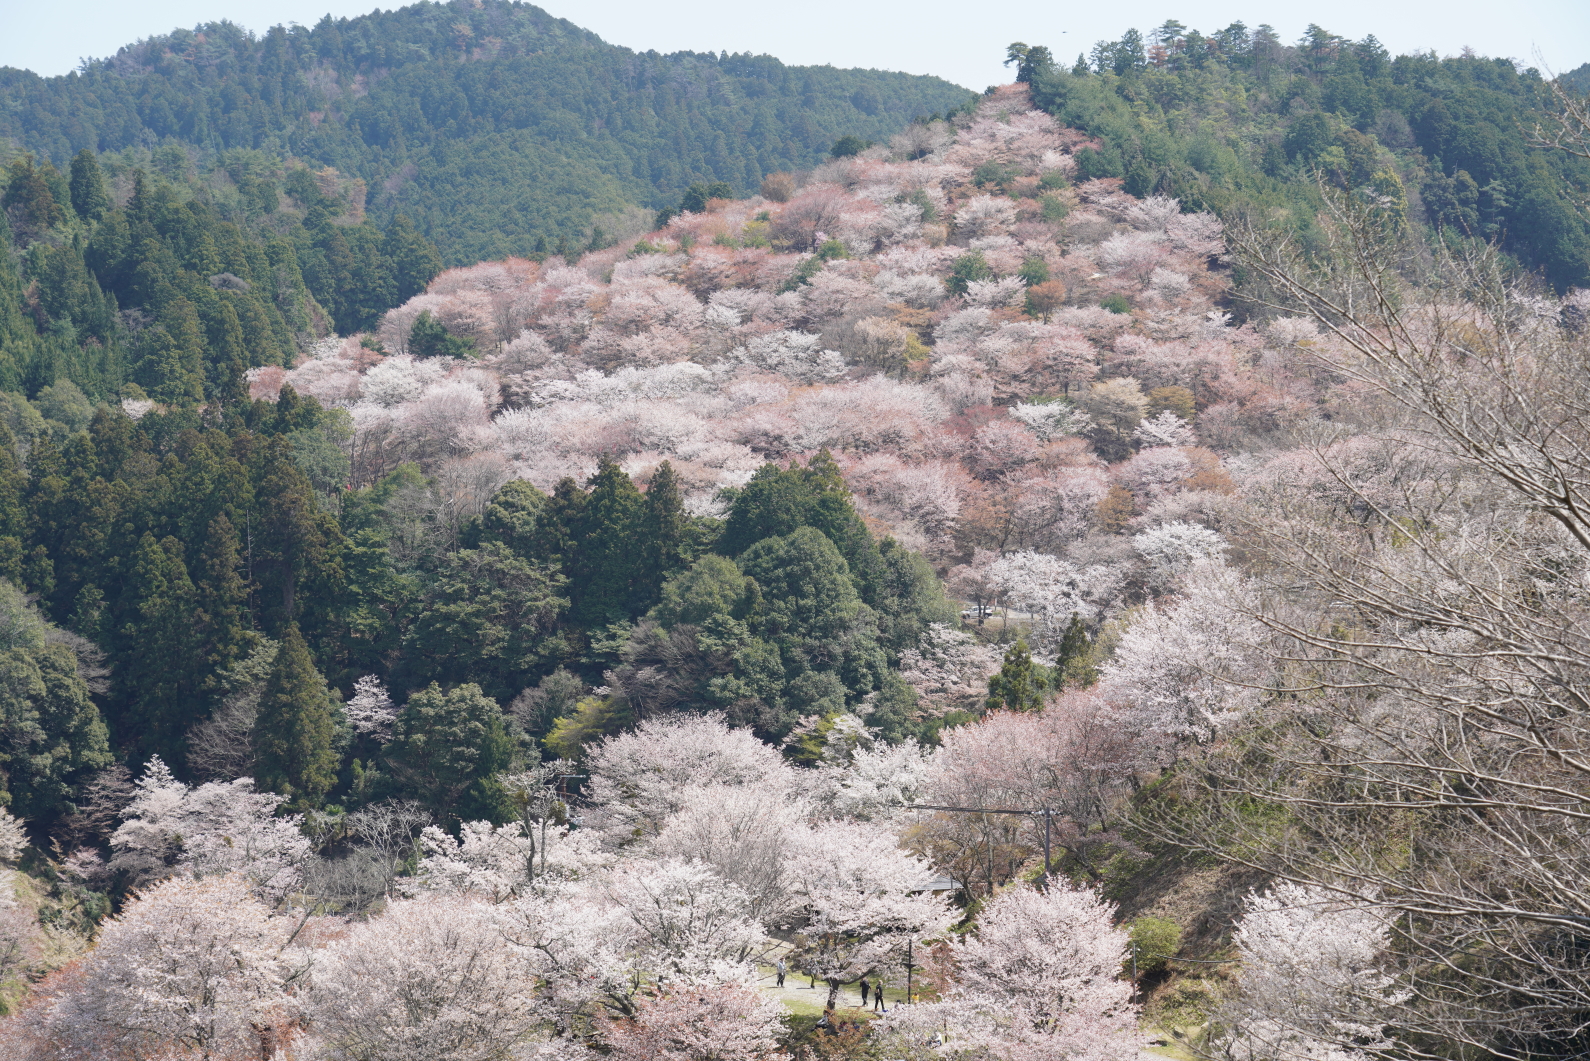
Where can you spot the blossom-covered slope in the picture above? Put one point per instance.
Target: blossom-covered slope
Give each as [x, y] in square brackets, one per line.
[1026, 379]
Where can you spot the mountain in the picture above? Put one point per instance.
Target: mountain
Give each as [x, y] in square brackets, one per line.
[494, 126]
[1240, 123]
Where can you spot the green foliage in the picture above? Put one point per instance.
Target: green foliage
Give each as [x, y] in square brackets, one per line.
[605, 566]
[1071, 661]
[592, 719]
[829, 250]
[50, 731]
[180, 291]
[1034, 271]
[699, 194]
[806, 587]
[1173, 399]
[487, 147]
[847, 146]
[1020, 684]
[538, 708]
[448, 748]
[515, 516]
[1116, 304]
[90, 197]
[892, 710]
[1155, 940]
[430, 338]
[1237, 123]
[713, 586]
[967, 268]
[294, 731]
[488, 615]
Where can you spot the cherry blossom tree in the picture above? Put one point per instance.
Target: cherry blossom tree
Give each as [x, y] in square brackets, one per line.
[1315, 984]
[688, 1022]
[1074, 758]
[1053, 590]
[189, 966]
[640, 779]
[1040, 978]
[577, 943]
[1001, 447]
[860, 902]
[370, 710]
[1166, 429]
[687, 922]
[875, 782]
[431, 977]
[1171, 664]
[984, 215]
[213, 829]
[1172, 549]
[949, 668]
[1051, 420]
[1057, 949]
[745, 834]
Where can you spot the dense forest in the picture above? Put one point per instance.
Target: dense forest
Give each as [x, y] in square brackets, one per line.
[1099, 564]
[496, 128]
[1240, 123]
[125, 283]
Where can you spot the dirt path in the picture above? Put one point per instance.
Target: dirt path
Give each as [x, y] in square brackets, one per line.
[799, 997]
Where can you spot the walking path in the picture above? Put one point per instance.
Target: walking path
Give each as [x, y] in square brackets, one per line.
[799, 997]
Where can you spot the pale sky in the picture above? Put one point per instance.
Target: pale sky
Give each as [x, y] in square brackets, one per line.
[961, 42]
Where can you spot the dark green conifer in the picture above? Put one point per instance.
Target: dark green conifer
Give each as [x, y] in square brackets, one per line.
[663, 526]
[608, 554]
[221, 620]
[294, 730]
[1019, 685]
[158, 663]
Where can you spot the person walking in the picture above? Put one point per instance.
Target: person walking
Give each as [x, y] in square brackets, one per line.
[877, 996]
[782, 969]
[863, 992]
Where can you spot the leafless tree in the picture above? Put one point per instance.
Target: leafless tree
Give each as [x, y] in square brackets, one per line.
[1428, 744]
[220, 747]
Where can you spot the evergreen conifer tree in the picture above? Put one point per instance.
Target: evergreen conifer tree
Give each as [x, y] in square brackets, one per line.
[294, 731]
[90, 198]
[1019, 685]
[663, 534]
[413, 260]
[608, 555]
[292, 537]
[156, 649]
[1073, 649]
[13, 516]
[221, 596]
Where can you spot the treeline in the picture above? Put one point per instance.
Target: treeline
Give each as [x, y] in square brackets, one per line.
[1238, 122]
[163, 292]
[231, 605]
[493, 125]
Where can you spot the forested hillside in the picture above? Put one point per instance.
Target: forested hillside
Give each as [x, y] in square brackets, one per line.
[1240, 123]
[118, 282]
[496, 128]
[1071, 610]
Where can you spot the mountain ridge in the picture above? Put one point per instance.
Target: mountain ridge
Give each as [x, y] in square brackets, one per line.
[526, 124]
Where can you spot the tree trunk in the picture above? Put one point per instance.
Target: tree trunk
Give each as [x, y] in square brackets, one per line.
[833, 996]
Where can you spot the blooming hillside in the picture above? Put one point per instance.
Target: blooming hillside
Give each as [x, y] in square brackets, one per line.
[933, 311]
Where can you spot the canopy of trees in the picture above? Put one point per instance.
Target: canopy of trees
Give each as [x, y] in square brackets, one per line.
[1238, 121]
[497, 128]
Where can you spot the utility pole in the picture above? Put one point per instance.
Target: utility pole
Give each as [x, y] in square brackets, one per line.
[1047, 815]
[908, 972]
